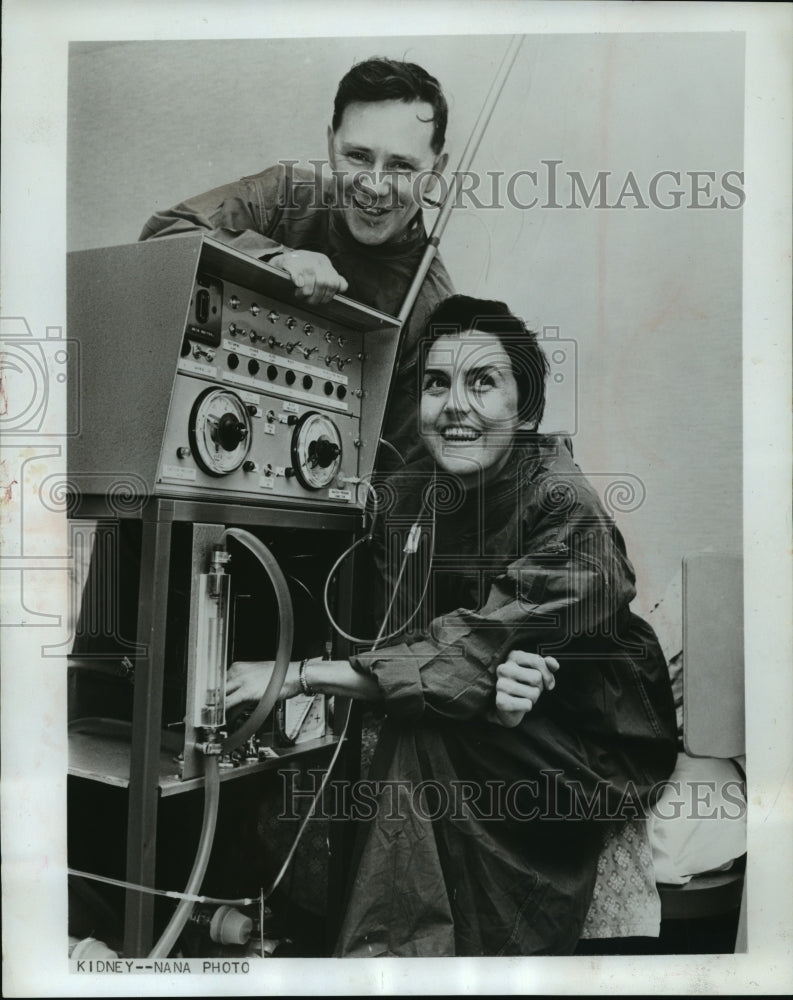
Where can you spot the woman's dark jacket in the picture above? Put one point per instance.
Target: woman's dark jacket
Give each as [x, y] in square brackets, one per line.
[484, 839]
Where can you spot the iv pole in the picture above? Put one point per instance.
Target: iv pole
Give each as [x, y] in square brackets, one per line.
[469, 152]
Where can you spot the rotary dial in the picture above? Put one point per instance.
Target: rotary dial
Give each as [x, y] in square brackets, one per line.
[220, 431]
[316, 450]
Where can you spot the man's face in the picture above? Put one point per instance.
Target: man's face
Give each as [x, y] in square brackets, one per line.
[469, 405]
[382, 155]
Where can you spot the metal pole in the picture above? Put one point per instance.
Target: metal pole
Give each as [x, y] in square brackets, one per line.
[465, 161]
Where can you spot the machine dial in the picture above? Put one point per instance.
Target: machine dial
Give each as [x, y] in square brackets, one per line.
[220, 431]
[316, 450]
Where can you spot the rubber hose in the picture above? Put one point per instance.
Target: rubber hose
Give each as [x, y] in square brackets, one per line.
[185, 907]
[263, 708]
[286, 627]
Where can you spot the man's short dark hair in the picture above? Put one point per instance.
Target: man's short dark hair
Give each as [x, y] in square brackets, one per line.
[390, 80]
[459, 313]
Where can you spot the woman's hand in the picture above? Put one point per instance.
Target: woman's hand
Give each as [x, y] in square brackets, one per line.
[247, 680]
[521, 680]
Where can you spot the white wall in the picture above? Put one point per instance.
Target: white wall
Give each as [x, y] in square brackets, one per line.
[652, 298]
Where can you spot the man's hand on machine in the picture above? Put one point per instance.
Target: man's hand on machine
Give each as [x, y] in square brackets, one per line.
[521, 680]
[314, 277]
[246, 680]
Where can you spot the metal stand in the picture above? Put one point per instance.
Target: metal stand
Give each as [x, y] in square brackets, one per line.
[146, 778]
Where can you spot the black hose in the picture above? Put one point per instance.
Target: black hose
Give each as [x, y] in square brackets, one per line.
[286, 626]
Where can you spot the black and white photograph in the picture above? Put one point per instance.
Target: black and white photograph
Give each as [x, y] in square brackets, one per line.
[396, 477]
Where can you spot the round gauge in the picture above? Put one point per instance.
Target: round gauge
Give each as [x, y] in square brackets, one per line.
[220, 431]
[316, 450]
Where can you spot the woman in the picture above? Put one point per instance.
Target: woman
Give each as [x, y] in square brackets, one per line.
[496, 772]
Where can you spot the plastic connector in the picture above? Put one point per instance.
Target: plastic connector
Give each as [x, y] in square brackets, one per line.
[413, 539]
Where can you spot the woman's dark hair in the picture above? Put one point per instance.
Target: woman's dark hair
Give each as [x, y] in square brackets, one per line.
[530, 366]
[390, 80]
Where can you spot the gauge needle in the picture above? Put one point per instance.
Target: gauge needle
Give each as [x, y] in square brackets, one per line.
[296, 728]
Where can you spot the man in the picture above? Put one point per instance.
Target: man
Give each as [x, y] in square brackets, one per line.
[359, 233]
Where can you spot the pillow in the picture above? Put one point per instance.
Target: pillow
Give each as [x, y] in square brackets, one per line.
[698, 823]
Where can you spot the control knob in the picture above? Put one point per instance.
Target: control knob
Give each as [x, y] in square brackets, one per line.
[323, 452]
[230, 432]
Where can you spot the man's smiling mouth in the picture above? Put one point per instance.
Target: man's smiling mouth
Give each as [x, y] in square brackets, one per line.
[372, 213]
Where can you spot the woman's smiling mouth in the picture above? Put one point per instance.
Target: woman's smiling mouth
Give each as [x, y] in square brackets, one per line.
[459, 433]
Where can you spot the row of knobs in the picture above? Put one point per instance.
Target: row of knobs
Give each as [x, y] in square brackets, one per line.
[273, 317]
[292, 345]
[209, 354]
[236, 330]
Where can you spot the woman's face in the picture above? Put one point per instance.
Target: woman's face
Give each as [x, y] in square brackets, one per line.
[469, 404]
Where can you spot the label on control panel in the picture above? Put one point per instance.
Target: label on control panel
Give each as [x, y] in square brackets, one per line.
[266, 483]
[339, 494]
[178, 472]
[198, 368]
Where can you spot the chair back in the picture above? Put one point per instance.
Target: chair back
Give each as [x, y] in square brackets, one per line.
[713, 661]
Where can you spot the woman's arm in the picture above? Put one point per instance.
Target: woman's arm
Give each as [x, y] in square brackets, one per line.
[247, 679]
[521, 680]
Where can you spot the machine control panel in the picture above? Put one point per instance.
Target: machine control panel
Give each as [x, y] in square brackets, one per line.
[251, 393]
[267, 400]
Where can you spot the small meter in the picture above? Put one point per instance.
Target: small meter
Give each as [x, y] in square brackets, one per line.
[220, 431]
[316, 450]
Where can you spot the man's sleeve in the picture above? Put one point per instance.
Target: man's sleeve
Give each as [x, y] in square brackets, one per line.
[238, 214]
[572, 581]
